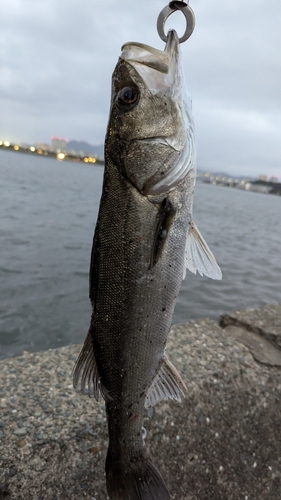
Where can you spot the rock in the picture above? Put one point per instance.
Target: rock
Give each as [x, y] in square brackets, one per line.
[13, 471]
[262, 350]
[21, 431]
[21, 443]
[259, 329]
[264, 321]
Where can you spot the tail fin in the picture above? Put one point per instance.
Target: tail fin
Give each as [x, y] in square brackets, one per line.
[136, 480]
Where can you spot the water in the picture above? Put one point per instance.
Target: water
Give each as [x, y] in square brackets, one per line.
[47, 217]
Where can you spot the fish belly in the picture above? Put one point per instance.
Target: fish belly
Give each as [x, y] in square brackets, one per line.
[133, 302]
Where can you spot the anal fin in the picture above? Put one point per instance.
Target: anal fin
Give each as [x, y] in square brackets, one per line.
[167, 384]
[85, 372]
[198, 256]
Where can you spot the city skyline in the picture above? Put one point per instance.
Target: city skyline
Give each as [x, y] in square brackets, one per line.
[58, 145]
[55, 77]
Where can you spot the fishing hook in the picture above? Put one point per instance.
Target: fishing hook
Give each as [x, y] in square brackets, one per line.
[167, 11]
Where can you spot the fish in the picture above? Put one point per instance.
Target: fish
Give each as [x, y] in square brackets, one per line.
[144, 240]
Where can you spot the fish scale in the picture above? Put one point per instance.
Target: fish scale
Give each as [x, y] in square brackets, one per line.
[144, 238]
[132, 317]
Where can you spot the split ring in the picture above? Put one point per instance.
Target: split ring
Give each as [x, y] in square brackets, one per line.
[167, 11]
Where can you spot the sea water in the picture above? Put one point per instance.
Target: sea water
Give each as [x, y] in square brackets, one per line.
[48, 211]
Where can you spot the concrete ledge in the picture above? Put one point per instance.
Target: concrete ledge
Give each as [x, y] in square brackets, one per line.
[222, 443]
[265, 322]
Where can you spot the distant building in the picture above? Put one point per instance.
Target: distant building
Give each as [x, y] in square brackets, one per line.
[83, 148]
[43, 146]
[262, 177]
[58, 144]
[273, 178]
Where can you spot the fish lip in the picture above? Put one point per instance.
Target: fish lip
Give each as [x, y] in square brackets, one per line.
[172, 44]
[136, 53]
[144, 46]
[142, 56]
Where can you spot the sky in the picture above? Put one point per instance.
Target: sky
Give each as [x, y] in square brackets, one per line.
[57, 58]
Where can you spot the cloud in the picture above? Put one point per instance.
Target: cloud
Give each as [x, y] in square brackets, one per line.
[247, 143]
[57, 57]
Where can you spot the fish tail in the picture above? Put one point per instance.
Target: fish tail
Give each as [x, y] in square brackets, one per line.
[137, 479]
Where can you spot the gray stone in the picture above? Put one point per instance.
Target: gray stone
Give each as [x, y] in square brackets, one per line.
[262, 350]
[13, 471]
[264, 321]
[21, 431]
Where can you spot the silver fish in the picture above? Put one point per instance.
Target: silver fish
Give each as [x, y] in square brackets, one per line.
[144, 239]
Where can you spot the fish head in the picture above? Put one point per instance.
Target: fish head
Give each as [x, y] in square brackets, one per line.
[150, 131]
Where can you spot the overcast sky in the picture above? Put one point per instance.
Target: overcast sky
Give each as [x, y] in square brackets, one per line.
[57, 57]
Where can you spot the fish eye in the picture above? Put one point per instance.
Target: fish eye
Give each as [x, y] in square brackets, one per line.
[128, 97]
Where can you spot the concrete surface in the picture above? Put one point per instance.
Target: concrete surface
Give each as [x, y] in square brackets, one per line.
[222, 443]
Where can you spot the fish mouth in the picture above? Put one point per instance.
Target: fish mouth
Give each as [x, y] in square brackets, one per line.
[160, 60]
[139, 53]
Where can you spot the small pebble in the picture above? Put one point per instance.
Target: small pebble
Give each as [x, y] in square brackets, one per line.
[13, 471]
[21, 431]
[21, 443]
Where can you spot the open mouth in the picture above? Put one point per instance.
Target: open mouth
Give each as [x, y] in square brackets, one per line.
[157, 68]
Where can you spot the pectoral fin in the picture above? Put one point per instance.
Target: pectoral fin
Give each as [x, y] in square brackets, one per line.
[198, 256]
[167, 384]
[93, 275]
[166, 216]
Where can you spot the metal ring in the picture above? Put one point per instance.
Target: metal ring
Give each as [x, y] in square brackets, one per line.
[167, 11]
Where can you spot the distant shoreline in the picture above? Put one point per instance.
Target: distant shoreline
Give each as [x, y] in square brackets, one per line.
[260, 186]
[257, 186]
[44, 153]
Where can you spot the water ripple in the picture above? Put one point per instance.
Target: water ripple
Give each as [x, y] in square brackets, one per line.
[48, 214]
